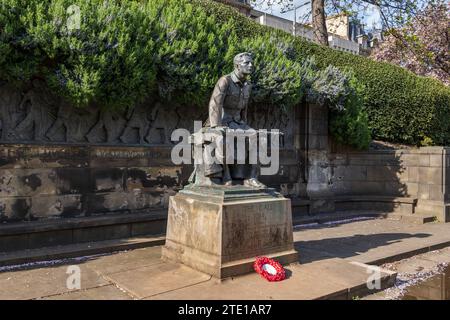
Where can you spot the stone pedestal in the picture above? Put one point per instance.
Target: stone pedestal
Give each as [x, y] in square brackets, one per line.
[220, 230]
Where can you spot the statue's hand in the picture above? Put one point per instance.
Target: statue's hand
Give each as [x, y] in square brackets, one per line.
[220, 129]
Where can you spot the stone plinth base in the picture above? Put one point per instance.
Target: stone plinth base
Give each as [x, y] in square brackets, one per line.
[220, 231]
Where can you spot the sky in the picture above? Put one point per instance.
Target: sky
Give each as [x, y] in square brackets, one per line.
[371, 15]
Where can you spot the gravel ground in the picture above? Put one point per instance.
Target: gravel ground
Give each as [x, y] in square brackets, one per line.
[413, 271]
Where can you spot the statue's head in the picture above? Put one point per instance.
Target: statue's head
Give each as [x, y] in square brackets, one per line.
[243, 64]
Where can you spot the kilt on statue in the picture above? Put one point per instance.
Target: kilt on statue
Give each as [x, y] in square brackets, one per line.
[225, 217]
[227, 110]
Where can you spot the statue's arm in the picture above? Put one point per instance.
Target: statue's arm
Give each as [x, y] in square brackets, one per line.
[244, 114]
[216, 102]
[245, 111]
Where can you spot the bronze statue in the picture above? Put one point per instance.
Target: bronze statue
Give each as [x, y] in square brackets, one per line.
[228, 110]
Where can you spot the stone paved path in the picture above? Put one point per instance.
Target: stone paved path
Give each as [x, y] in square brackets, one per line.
[369, 241]
[326, 268]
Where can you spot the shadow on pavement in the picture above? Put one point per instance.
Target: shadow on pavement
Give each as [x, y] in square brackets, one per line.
[350, 246]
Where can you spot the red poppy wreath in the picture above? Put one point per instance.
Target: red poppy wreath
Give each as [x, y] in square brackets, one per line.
[270, 269]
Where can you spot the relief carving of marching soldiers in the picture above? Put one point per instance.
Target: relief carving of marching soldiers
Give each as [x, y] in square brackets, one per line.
[9, 113]
[36, 115]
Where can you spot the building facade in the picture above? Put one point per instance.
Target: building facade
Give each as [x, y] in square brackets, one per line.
[344, 34]
[242, 5]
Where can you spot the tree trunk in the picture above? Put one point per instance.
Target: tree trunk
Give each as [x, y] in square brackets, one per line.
[318, 22]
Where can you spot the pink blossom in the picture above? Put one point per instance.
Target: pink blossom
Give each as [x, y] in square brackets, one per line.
[422, 46]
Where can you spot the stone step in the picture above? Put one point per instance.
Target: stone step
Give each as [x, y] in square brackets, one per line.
[29, 235]
[336, 216]
[78, 250]
[415, 218]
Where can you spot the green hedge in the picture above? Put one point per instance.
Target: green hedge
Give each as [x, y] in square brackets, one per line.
[126, 51]
[401, 106]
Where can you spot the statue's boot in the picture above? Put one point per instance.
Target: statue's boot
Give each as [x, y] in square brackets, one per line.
[254, 183]
[228, 183]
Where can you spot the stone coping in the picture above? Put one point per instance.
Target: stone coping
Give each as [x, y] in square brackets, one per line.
[356, 198]
[57, 224]
[84, 145]
[374, 198]
[65, 252]
[427, 150]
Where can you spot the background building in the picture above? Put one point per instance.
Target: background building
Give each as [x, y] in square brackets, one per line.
[344, 33]
[242, 5]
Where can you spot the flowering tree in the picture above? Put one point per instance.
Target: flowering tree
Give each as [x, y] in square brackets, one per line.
[422, 45]
[393, 13]
[316, 13]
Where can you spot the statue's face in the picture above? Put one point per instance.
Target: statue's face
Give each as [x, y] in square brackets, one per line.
[245, 67]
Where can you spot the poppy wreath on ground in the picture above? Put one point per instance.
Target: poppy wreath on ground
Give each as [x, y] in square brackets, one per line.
[269, 269]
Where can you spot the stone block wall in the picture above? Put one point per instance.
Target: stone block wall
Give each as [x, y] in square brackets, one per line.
[337, 177]
[419, 173]
[60, 161]
[70, 181]
[403, 173]
[39, 181]
[373, 173]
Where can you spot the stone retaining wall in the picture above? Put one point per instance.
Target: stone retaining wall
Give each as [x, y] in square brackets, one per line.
[61, 162]
[415, 173]
[340, 178]
[58, 161]
[67, 181]
[39, 181]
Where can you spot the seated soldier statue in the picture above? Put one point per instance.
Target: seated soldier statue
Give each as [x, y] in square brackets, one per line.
[228, 110]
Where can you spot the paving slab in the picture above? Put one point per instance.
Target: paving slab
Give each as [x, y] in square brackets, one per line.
[327, 279]
[327, 268]
[308, 255]
[371, 241]
[78, 249]
[125, 261]
[442, 256]
[348, 230]
[416, 265]
[157, 278]
[323, 251]
[418, 277]
[109, 292]
[30, 284]
[214, 290]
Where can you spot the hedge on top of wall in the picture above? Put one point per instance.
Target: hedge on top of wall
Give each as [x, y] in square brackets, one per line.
[127, 50]
[401, 106]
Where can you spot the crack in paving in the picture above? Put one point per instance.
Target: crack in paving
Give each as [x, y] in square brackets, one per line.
[128, 293]
[113, 283]
[69, 292]
[171, 290]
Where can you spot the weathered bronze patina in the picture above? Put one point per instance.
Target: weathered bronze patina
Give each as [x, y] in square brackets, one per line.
[228, 110]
